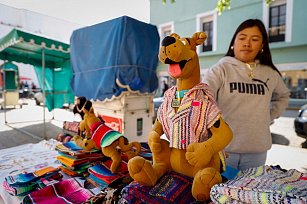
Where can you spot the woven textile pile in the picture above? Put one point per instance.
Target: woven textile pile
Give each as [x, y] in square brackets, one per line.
[265, 184]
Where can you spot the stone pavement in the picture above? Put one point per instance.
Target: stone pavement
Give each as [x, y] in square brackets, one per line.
[287, 149]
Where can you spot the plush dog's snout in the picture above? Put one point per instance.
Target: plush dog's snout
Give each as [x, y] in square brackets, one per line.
[168, 40]
[169, 61]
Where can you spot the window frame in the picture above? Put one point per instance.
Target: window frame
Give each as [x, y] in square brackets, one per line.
[288, 22]
[199, 27]
[165, 26]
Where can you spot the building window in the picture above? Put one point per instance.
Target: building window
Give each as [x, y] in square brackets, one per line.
[296, 81]
[208, 29]
[278, 20]
[277, 23]
[206, 22]
[165, 30]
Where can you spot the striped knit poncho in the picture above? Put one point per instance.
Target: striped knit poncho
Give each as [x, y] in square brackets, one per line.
[197, 112]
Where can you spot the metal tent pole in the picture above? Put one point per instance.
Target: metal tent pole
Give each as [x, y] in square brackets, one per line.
[4, 96]
[44, 92]
[53, 94]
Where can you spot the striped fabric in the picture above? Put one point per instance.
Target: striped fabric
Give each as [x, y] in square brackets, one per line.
[97, 181]
[24, 183]
[171, 188]
[103, 173]
[197, 112]
[20, 179]
[103, 135]
[263, 185]
[25, 178]
[71, 162]
[20, 190]
[68, 191]
[71, 148]
[72, 173]
[71, 126]
[71, 145]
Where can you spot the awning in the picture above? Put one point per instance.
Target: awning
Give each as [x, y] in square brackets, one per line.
[51, 61]
[25, 47]
[50, 58]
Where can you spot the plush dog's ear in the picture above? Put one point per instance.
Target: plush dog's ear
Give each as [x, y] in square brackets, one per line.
[86, 112]
[175, 35]
[92, 110]
[199, 38]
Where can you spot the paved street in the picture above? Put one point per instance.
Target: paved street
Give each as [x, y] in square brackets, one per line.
[26, 125]
[287, 149]
[283, 130]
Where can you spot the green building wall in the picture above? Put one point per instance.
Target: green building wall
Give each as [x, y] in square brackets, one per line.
[289, 55]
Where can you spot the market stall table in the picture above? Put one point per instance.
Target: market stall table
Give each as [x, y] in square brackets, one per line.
[25, 158]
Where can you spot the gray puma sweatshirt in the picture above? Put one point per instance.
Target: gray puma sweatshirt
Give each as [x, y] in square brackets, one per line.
[248, 105]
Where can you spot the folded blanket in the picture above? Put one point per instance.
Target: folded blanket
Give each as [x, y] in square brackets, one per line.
[67, 191]
[71, 162]
[73, 149]
[21, 190]
[72, 173]
[24, 179]
[71, 126]
[102, 172]
[171, 188]
[32, 186]
[97, 182]
[83, 155]
[264, 184]
[22, 184]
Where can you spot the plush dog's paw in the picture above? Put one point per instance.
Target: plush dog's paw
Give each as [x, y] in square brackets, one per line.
[203, 182]
[199, 154]
[142, 171]
[154, 142]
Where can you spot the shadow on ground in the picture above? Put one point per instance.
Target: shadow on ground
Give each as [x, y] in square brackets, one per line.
[279, 139]
[28, 134]
[282, 140]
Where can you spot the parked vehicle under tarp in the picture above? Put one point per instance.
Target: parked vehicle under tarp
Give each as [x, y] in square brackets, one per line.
[113, 57]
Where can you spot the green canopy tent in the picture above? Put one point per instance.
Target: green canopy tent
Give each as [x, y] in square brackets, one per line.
[51, 61]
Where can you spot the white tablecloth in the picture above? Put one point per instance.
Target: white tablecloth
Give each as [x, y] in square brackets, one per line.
[25, 159]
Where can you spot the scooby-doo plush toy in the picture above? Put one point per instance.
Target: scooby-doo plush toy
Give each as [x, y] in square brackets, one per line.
[100, 136]
[190, 119]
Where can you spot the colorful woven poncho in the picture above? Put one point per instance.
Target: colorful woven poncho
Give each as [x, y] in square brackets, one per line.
[197, 112]
[103, 135]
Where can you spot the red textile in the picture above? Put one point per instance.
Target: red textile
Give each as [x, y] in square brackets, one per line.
[67, 191]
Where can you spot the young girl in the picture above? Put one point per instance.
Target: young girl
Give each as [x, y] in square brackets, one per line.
[250, 92]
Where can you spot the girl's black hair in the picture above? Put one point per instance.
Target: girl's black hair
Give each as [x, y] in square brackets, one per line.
[264, 56]
[79, 106]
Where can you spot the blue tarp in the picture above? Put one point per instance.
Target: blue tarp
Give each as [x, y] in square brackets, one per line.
[114, 56]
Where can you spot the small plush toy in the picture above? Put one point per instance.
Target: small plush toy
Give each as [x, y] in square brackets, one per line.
[100, 136]
[190, 119]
